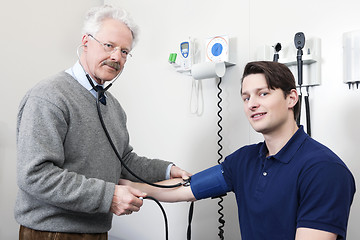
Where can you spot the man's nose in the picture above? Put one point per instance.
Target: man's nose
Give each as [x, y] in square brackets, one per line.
[116, 55]
[253, 103]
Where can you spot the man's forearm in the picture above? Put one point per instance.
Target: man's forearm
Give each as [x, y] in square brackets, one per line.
[178, 194]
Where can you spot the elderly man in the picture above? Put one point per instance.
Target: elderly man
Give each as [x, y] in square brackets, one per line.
[67, 171]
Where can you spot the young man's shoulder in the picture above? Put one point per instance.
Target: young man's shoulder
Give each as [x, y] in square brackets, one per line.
[318, 152]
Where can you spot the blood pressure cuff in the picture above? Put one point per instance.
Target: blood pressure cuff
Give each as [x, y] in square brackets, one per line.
[209, 183]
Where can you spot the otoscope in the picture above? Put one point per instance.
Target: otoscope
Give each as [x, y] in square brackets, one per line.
[299, 41]
[277, 48]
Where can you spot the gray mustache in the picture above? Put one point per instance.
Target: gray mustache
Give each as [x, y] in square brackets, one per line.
[112, 64]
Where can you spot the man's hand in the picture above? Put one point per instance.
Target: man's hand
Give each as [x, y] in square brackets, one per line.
[126, 200]
[176, 172]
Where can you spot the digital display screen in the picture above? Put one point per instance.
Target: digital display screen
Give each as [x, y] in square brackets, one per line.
[184, 45]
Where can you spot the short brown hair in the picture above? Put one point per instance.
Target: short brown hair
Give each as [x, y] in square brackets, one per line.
[277, 75]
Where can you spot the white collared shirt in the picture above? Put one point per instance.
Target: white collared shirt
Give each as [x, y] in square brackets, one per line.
[78, 73]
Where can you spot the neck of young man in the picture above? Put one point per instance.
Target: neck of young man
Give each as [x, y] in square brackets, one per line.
[278, 138]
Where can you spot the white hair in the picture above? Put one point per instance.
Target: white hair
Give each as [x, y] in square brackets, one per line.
[96, 15]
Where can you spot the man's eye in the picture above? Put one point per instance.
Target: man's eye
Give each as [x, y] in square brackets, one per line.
[124, 52]
[108, 45]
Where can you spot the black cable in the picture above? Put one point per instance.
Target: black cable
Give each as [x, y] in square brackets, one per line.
[164, 214]
[307, 108]
[221, 218]
[191, 211]
[221, 199]
[118, 155]
[300, 80]
[219, 122]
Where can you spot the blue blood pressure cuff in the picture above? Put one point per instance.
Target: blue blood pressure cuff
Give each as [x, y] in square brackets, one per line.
[209, 183]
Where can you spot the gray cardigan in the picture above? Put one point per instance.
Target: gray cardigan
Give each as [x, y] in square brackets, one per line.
[66, 168]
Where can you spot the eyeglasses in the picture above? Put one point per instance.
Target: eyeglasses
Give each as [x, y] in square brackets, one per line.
[109, 48]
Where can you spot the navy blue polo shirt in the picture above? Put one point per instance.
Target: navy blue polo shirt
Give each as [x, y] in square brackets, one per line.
[304, 185]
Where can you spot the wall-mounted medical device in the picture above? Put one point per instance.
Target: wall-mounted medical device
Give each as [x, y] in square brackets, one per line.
[182, 60]
[208, 70]
[288, 55]
[351, 58]
[186, 54]
[216, 52]
[217, 49]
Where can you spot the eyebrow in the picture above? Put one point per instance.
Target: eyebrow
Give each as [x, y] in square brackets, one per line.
[257, 90]
[112, 43]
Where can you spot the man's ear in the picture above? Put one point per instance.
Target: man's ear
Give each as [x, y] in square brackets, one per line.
[293, 98]
[85, 40]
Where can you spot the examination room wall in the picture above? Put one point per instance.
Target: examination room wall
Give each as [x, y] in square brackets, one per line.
[40, 38]
[160, 108]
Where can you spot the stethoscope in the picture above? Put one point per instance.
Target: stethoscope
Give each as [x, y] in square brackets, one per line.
[186, 182]
[100, 92]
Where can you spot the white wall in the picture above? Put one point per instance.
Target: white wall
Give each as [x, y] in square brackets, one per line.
[40, 39]
[158, 108]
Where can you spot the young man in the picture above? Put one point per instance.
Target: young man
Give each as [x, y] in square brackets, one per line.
[287, 187]
[67, 171]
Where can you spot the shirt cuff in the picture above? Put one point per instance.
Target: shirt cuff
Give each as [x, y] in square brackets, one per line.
[167, 175]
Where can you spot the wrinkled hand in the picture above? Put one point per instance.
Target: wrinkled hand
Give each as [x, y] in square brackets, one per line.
[126, 200]
[176, 172]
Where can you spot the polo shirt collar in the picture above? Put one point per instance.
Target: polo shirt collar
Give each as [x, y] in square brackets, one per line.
[289, 150]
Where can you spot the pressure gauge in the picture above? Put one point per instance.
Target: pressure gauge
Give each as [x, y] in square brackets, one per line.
[217, 49]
